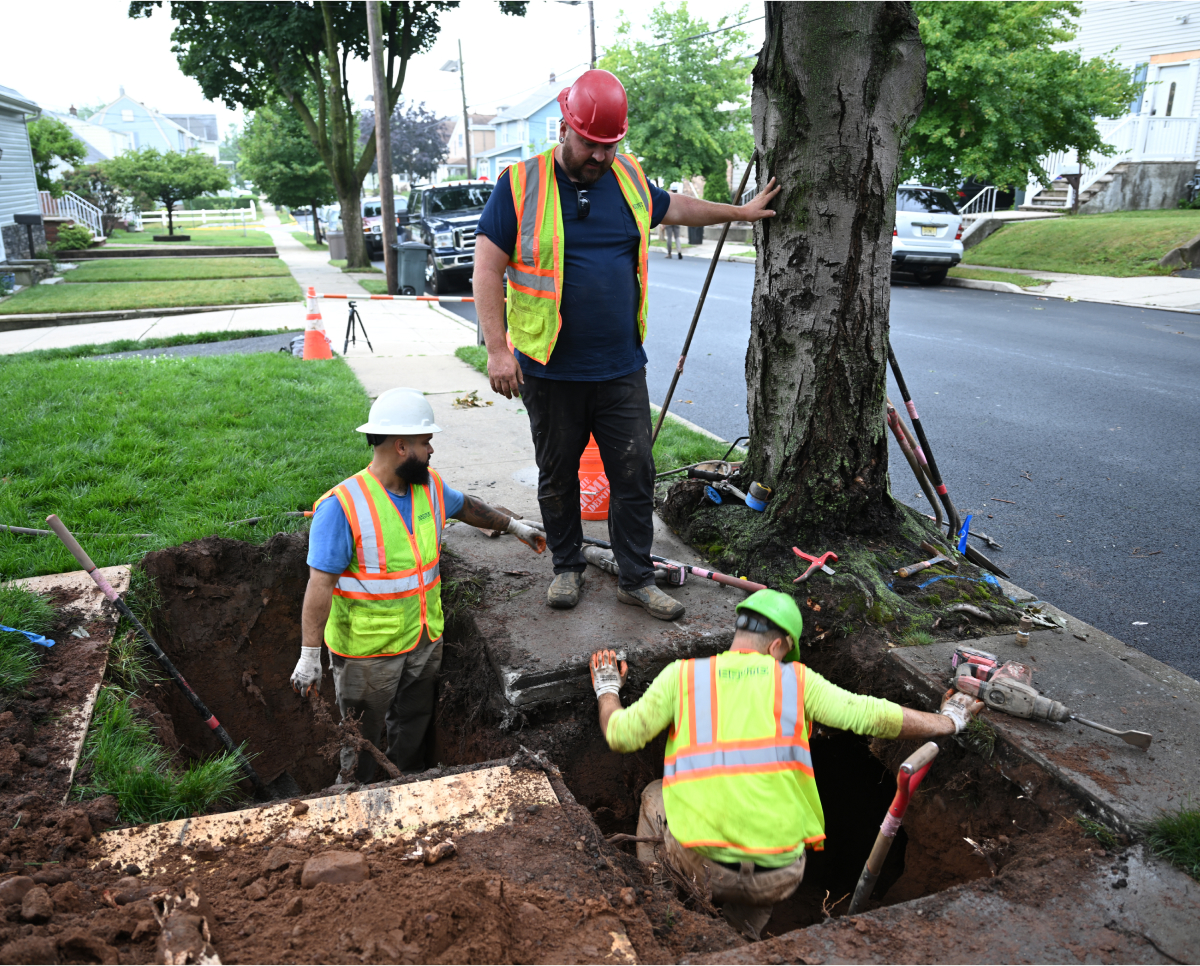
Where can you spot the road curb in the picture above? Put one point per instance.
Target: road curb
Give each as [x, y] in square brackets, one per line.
[986, 286]
[183, 251]
[724, 258]
[1044, 292]
[11, 323]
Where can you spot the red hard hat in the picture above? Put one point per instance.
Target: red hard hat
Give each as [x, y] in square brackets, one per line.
[595, 107]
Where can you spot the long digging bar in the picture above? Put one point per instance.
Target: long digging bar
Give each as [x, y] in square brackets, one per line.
[893, 421]
[286, 513]
[930, 462]
[50, 533]
[687, 343]
[914, 769]
[209, 718]
[747, 585]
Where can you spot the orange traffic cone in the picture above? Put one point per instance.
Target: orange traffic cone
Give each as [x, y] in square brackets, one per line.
[593, 484]
[316, 342]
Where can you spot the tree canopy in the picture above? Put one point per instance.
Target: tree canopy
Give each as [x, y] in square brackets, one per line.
[999, 97]
[278, 156]
[689, 106]
[168, 178]
[254, 53]
[51, 140]
[417, 145]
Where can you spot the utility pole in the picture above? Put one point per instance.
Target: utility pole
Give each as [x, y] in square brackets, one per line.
[383, 145]
[462, 80]
[592, 21]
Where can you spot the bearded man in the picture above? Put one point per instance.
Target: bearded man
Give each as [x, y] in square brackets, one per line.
[569, 230]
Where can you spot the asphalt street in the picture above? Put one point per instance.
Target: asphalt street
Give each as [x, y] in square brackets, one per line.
[1068, 428]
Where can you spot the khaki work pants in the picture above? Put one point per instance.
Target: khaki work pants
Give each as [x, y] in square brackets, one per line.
[746, 896]
[396, 694]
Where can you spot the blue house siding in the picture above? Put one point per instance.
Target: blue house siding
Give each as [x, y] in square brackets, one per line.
[148, 128]
[522, 131]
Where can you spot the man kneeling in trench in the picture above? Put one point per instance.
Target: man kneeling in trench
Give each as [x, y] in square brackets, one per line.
[374, 594]
[738, 804]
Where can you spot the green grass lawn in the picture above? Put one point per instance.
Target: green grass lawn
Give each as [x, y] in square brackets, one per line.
[305, 239]
[983, 275]
[1177, 837]
[201, 236]
[19, 656]
[129, 345]
[173, 447]
[375, 286]
[173, 269]
[677, 444]
[1120, 245]
[103, 296]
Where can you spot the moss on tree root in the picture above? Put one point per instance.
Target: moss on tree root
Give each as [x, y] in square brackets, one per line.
[864, 590]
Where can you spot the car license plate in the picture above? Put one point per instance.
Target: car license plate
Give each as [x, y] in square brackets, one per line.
[928, 230]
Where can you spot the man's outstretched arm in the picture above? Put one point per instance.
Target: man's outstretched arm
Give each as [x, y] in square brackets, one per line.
[686, 210]
[478, 514]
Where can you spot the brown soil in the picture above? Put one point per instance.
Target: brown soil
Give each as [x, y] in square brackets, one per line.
[230, 619]
[36, 749]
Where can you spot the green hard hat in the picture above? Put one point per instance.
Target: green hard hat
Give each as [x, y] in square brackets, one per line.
[781, 610]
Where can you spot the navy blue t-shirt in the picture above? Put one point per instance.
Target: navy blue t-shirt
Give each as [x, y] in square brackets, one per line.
[599, 336]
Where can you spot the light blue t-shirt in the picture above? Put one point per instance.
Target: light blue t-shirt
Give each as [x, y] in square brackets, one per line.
[331, 541]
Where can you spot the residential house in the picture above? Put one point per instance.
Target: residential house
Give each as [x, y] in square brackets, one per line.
[101, 142]
[18, 181]
[522, 131]
[483, 138]
[148, 128]
[1157, 140]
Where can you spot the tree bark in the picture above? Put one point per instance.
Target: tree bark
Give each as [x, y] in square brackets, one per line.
[837, 88]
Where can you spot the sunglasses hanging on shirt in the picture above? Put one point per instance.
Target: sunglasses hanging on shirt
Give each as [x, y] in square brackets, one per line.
[581, 200]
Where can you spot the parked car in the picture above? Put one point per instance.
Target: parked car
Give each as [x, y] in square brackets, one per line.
[372, 222]
[927, 236]
[444, 218]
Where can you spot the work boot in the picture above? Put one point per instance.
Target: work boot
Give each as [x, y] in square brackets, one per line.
[653, 601]
[565, 590]
[681, 256]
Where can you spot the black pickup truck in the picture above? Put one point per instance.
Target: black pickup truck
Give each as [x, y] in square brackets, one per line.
[444, 216]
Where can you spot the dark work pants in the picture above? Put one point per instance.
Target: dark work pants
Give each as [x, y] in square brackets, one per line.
[617, 412]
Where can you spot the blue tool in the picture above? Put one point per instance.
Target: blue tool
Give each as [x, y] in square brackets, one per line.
[712, 495]
[964, 533]
[35, 638]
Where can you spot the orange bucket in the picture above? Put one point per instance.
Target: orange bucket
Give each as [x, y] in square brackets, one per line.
[593, 484]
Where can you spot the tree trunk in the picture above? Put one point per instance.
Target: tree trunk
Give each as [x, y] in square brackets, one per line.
[837, 88]
[316, 225]
[170, 216]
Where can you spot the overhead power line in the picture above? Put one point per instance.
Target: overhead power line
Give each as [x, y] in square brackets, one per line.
[709, 33]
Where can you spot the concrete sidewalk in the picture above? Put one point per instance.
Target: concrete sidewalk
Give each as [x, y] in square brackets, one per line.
[1143, 291]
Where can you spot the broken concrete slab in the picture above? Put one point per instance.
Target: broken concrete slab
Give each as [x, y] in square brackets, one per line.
[540, 654]
[483, 797]
[1124, 785]
[1043, 913]
[79, 660]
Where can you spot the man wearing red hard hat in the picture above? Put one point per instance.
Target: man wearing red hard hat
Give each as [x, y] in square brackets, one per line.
[569, 229]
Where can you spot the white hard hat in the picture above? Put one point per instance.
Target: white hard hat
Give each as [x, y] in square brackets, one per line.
[400, 412]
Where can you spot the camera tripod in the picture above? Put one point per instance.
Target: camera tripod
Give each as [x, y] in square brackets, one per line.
[351, 331]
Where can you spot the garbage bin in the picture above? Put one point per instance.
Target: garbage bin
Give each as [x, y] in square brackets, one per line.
[695, 234]
[410, 267]
[337, 243]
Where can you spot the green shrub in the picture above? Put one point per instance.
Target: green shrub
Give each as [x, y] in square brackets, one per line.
[72, 238]
[19, 657]
[218, 204]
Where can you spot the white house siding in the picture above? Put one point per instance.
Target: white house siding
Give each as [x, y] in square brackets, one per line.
[1132, 32]
[18, 183]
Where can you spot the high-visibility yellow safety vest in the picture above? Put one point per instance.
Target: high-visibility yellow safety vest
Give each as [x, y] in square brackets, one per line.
[738, 772]
[392, 589]
[535, 269]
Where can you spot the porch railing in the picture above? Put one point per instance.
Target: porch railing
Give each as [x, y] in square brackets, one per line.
[70, 205]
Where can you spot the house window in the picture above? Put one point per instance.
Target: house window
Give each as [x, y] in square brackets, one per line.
[552, 128]
[1171, 99]
[126, 115]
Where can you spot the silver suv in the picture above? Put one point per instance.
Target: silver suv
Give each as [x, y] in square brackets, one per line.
[927, 236]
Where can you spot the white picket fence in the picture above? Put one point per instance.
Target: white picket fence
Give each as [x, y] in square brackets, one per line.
[216, 216]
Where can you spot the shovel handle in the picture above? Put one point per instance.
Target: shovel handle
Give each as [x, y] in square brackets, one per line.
[70, 542]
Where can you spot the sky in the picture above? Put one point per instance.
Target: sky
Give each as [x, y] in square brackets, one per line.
[98, 49]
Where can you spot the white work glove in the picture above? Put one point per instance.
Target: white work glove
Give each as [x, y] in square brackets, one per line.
[960, 708]
[606, 678]
[535, 540]
[307, 675]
